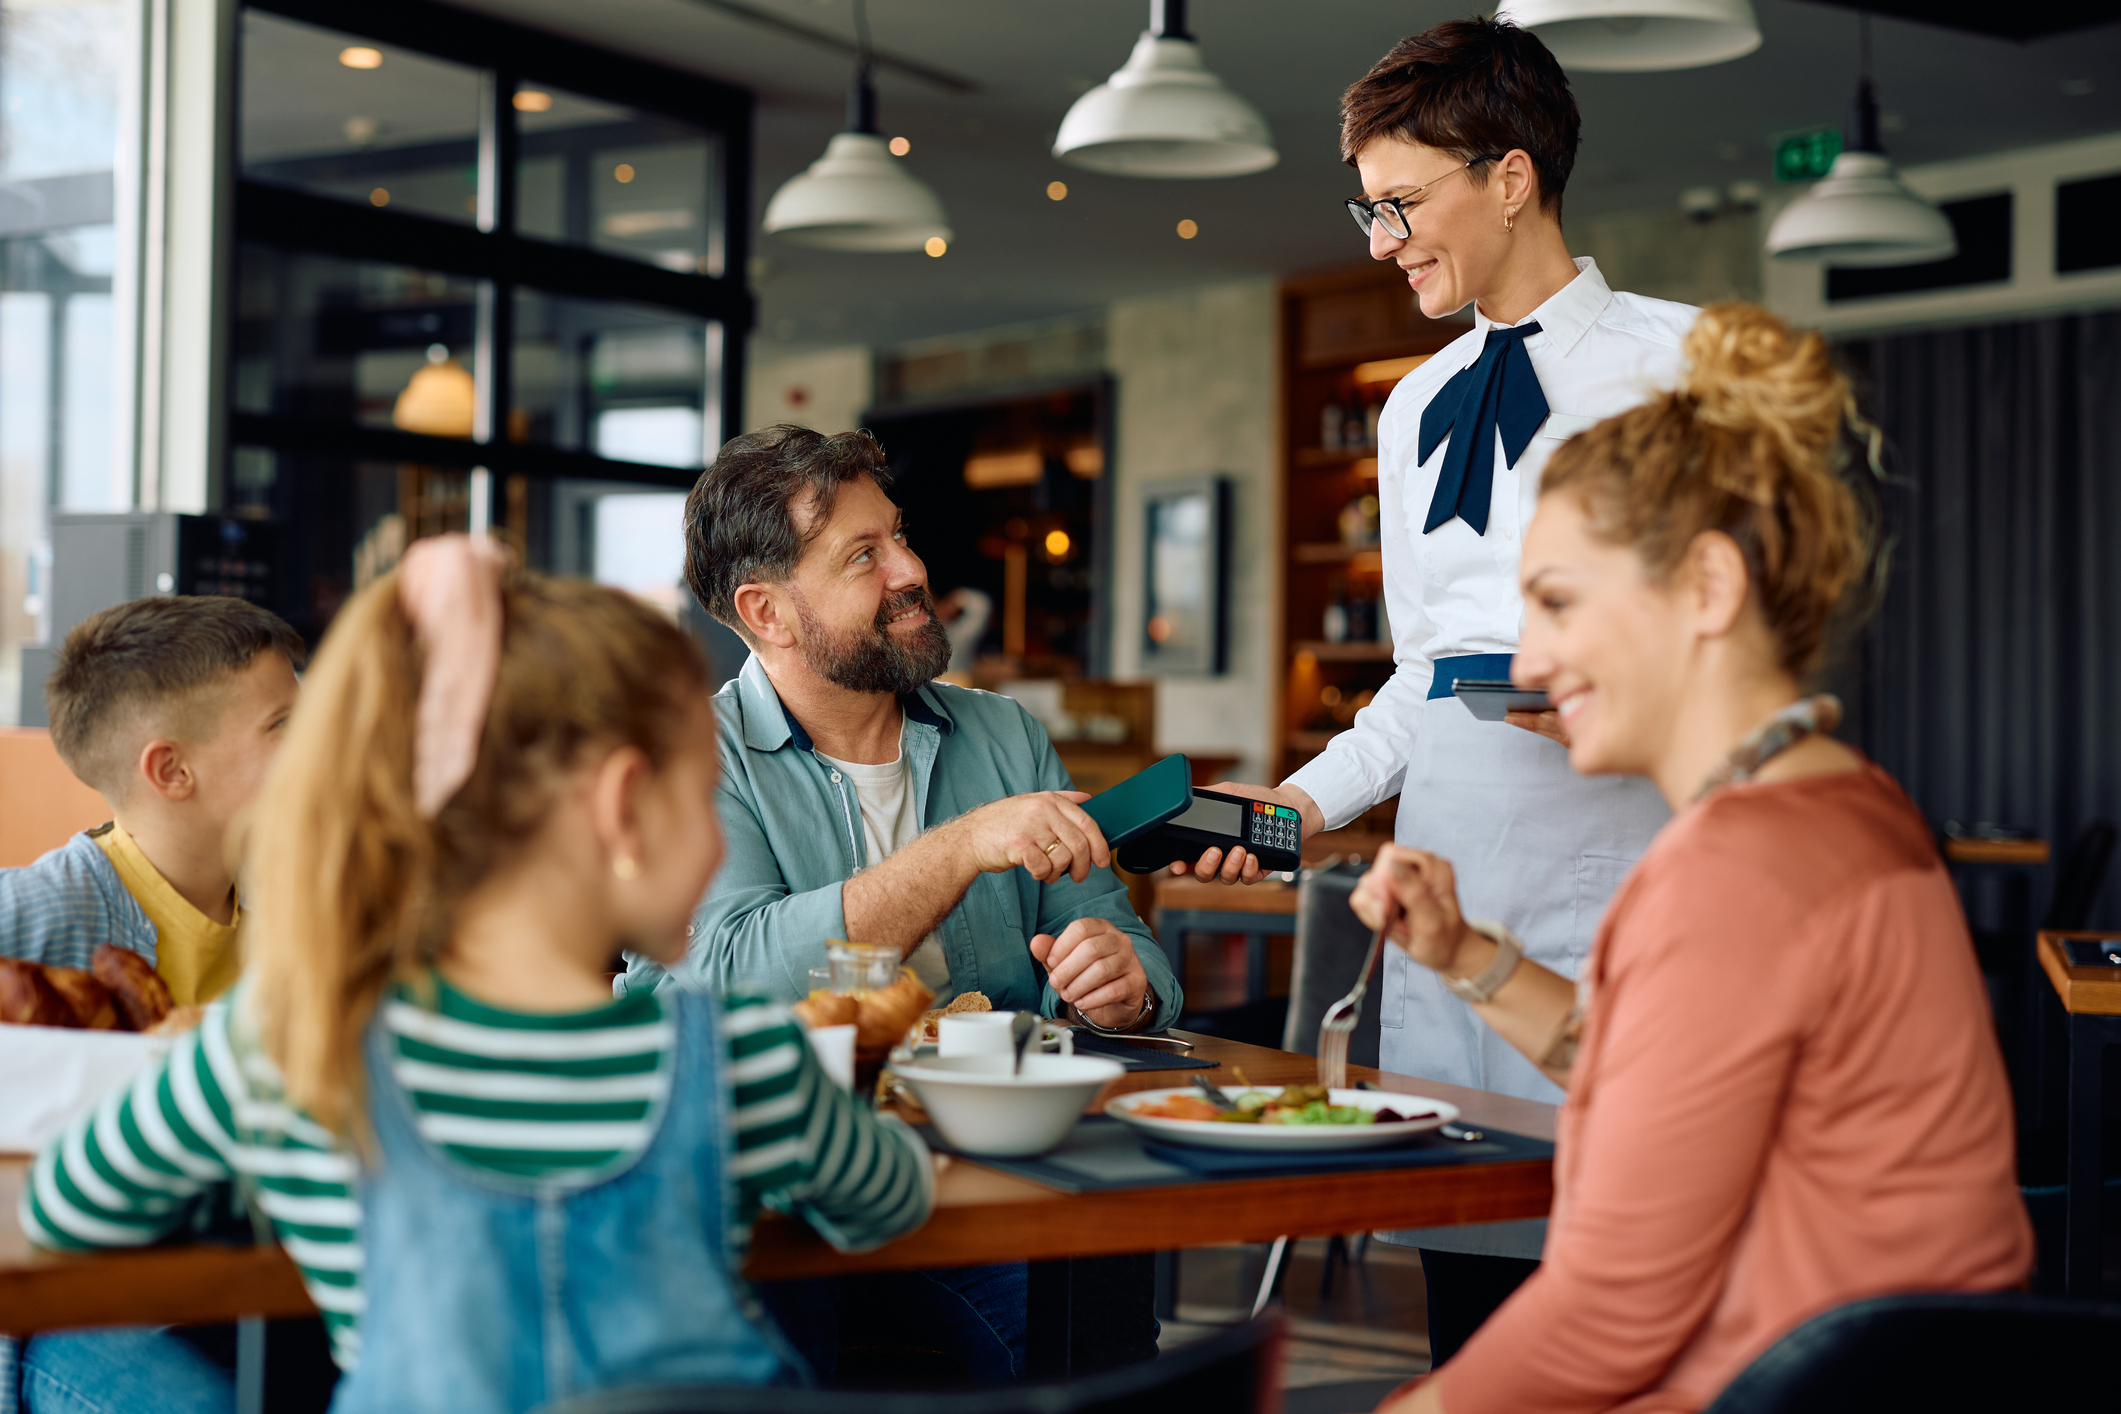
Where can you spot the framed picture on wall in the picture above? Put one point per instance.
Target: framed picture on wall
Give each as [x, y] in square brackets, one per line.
[1187, 596]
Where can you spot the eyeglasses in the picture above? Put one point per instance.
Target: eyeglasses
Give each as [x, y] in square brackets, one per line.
[1392, 210]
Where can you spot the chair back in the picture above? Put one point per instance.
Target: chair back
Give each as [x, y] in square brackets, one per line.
[1939, 1353]
[1235, 1372]
[1330, 944]
[2077, 881]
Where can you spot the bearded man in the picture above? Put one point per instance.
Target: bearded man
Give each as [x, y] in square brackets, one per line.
[863, 800]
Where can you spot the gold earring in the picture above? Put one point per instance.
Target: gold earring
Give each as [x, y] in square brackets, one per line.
[626, 867]
[1509, 221]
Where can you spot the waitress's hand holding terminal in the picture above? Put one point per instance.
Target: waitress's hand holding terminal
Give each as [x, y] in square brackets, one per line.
[1239, 864]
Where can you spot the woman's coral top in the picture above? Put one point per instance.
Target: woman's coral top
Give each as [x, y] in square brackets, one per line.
[1788, 1096]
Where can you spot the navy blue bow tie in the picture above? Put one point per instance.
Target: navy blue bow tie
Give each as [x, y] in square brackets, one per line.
[1500, 391]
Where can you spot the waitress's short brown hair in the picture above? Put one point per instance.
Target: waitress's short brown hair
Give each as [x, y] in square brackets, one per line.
[1471, 88]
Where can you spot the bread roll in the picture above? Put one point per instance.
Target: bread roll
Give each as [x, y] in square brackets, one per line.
[27, 997]
[93, 1005]
[180, 1020]
[142, 996]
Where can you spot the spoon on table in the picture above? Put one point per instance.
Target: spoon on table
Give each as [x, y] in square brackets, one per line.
[1020, 1031]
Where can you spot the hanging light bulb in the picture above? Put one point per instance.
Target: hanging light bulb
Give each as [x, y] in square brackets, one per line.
[1638, 35]
[1860, 212]
[857, 196]
[1164, 115]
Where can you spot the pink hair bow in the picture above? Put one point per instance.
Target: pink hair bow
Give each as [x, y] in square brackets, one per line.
[450, 589]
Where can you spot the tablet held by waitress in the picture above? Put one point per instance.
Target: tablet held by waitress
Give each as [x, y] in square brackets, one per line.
[1463, 138]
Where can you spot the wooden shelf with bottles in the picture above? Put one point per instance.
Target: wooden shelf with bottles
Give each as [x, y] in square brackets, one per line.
[1348, 336]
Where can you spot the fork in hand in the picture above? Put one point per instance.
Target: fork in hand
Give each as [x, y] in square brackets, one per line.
[1340, 1018]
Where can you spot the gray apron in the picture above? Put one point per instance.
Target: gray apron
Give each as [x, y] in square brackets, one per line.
[1535, 847]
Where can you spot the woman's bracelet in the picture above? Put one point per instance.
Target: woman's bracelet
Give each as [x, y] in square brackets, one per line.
[1508, 953]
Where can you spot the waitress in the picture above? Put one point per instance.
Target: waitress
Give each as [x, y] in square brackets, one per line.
[1464, 137]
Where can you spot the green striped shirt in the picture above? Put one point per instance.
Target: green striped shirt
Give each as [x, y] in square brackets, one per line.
[528, 1095]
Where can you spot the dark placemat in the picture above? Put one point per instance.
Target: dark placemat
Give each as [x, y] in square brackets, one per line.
[1135, 1056]
[1101, 1154]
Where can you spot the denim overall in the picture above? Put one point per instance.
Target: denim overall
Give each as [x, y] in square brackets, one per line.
[488, 1295]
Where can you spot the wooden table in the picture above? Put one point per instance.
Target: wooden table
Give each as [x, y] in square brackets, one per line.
[1974, 851]
[980, 1216]
[2092, 998]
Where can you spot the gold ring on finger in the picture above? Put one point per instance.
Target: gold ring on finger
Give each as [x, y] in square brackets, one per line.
[1055, 845]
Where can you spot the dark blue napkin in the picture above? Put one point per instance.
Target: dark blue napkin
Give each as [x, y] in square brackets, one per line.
[1495, 1146]
[1134, 1056]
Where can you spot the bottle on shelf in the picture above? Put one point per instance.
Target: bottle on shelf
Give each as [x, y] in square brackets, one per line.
[1361, 620]
[1359, 521]
[1329, 428]
[1335, 627]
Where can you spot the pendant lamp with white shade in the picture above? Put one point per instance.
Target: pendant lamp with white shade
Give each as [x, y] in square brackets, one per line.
[1860, 213]
[1164, 115]
[858, 196]
[1638, 35]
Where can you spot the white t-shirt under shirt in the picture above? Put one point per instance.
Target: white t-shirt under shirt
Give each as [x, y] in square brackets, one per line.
[891, 820]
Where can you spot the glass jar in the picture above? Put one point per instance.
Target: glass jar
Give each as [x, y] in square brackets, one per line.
[861, 967]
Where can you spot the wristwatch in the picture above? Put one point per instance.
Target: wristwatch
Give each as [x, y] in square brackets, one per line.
[1508, 953]
[1148, 1010]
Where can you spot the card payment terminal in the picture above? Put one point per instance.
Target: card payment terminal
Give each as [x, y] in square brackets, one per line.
[1156, 817]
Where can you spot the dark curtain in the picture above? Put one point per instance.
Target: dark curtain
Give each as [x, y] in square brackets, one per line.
[1989, 681]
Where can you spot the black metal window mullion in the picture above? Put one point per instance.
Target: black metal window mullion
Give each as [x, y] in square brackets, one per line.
[493, 340]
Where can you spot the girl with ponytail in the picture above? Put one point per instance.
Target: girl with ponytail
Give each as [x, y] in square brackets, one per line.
[502, 1186]
[1784, 1091]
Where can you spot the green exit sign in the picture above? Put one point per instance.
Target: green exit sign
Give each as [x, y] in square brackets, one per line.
[1805, 156]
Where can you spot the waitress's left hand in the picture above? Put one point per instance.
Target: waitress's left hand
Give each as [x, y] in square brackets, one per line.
[1546, 724]
[1424, 889]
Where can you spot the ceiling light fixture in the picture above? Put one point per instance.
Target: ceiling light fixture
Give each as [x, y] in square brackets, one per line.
[1860, 213]
[360, 56]
[1164, 115]
[1638, 35]
[858, 196]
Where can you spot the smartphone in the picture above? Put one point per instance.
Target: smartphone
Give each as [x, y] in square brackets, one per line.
[2093, 952]
[1143, 801]
[1492, 700]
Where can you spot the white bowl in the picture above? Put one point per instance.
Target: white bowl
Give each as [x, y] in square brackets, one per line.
[980, 1108]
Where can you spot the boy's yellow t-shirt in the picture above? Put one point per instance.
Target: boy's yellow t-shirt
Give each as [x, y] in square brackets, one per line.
[196, 956]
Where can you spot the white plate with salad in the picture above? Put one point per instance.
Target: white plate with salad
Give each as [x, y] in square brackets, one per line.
[1304, 1118]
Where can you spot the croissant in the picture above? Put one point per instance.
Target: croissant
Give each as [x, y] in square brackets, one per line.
[27, 997]
[92, 1003]
[887, 1015]
[826, 1009]
[142, 996]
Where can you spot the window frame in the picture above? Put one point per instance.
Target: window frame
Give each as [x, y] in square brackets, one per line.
[491, 250]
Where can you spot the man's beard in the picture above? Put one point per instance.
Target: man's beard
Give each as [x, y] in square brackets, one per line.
[875, 660]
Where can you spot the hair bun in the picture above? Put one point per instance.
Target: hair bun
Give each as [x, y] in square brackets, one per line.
[1750, 373]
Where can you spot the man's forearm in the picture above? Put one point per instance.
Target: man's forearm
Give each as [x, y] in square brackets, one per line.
[900, 901]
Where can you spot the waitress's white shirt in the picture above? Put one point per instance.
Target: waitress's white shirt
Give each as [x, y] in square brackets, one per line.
[1451, 591]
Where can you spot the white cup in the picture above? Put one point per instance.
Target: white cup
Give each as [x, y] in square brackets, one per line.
[974, 1033]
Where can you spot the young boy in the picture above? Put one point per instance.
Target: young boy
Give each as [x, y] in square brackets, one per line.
[171, 708]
